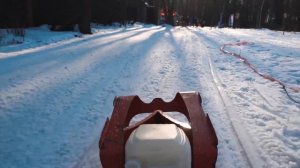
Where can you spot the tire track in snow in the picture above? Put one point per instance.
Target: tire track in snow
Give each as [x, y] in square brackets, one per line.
[72, 99]
[55, 72]
[195, 55]
[114, 88]
[249, 153]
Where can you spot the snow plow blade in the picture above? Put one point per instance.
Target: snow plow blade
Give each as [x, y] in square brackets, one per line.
[117, 130]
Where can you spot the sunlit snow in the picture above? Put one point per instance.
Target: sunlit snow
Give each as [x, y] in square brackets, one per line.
[57, 88]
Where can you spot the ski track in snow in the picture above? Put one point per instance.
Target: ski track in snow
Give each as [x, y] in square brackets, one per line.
[54, 99]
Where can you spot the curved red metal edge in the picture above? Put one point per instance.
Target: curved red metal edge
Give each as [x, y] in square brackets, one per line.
[117, 130]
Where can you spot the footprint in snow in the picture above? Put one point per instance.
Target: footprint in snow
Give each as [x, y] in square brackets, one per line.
[249, 79]
[244, 89]
[222, 68]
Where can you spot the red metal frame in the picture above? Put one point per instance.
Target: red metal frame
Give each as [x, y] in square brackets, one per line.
[116, 130]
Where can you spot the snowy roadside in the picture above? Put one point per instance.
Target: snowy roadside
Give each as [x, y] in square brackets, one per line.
[33, 38]
[42, 37]
[269, 116]
[55, 98]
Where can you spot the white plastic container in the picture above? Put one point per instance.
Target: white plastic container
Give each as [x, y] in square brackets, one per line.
[158, 146]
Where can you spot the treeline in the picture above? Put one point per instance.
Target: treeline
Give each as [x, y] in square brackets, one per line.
[28, 13]
[273, 14]
[64, 14]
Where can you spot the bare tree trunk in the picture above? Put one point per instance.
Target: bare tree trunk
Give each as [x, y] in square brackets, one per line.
[29, 13]
[259, 14]
[85, 17]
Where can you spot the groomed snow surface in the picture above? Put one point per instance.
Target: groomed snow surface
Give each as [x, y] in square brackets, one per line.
[57, 88]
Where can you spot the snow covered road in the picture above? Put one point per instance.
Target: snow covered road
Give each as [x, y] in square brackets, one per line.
[54, 99]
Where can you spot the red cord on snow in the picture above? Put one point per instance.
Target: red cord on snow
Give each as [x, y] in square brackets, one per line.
[268, 77]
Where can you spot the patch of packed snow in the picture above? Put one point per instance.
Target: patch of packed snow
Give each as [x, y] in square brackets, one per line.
[56, 90]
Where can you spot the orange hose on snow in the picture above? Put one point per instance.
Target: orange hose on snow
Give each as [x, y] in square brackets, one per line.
[268, 77]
